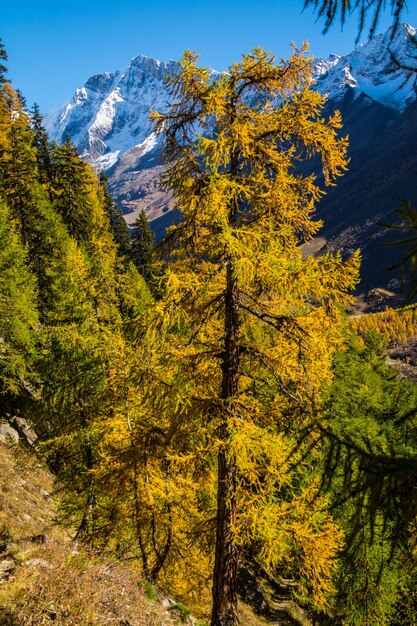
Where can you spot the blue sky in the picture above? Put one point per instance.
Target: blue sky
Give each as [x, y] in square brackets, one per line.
[55, 46]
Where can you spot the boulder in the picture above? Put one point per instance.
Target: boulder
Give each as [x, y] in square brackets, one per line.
[8, 434]
[7, 567]
[25, 430]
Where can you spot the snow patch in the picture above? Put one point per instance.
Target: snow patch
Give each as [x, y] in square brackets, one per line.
[106, 161]
[370, 69]
[149, 143]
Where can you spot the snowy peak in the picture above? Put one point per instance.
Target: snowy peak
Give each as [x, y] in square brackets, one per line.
[374, 69]
[98, 83]
[322, 66]
[109, 115]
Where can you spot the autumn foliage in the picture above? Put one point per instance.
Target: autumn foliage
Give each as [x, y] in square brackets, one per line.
[189, 419]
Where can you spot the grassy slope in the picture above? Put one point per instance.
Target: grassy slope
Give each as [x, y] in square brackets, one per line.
[54, 583]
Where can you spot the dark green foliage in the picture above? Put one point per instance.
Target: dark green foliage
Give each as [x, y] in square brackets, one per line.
[331, 10]
[18, 172]
[3, 68]
[142, 246]
[41, 143]
[370, 471]
[22, 100]
[118, 224]
[71, 187]
[18, 313]
[408, 263]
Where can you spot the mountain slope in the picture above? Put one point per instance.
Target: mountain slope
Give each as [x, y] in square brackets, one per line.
[44, 577]
[109, 114]
[371, 70]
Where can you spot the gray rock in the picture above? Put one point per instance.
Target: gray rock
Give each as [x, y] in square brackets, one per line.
[25, 430]
[8, 434]
[7, 567]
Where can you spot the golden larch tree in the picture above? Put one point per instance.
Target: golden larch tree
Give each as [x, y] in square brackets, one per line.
[244, 335]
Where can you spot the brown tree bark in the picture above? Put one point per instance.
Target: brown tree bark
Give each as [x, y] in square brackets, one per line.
[85, 529]
[224, 612]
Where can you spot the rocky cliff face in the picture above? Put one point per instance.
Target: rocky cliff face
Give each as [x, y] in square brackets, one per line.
[109, 115]
[107, 120]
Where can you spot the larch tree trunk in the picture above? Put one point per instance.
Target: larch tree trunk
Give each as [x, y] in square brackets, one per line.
[224, 611]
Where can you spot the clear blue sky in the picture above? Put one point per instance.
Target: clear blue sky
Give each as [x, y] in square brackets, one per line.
[56, 46]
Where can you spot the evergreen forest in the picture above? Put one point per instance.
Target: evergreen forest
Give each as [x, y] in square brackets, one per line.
[208, 408]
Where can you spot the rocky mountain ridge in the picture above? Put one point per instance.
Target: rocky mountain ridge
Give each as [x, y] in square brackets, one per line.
[108, 116]
[372, 70]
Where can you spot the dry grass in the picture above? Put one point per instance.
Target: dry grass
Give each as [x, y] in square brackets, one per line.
[26, 506]
[248, 618]
[52, 583]
[79, 590]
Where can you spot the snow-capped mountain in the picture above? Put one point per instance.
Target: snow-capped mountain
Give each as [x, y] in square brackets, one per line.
[107, 120]
[372, 70]
[109, 115]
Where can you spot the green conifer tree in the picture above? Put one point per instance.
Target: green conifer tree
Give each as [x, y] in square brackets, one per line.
[142, 246]
[22, 101]
[370, 429]
[18, 312]
[41, 143]
[118, 224]
[3, 68]
[72, 190]
[18, 173]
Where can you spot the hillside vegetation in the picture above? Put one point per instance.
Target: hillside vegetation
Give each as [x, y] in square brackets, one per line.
[207, 421]
[44, 578]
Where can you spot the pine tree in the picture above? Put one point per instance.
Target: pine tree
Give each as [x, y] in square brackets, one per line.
[3, 68]
[18, 312]
[118, 224]
[72, 190]
[22, 101]
[41, 143]
[142, 246]
[369, 427]
[41, 228]
[18, 173]
[247, 326]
